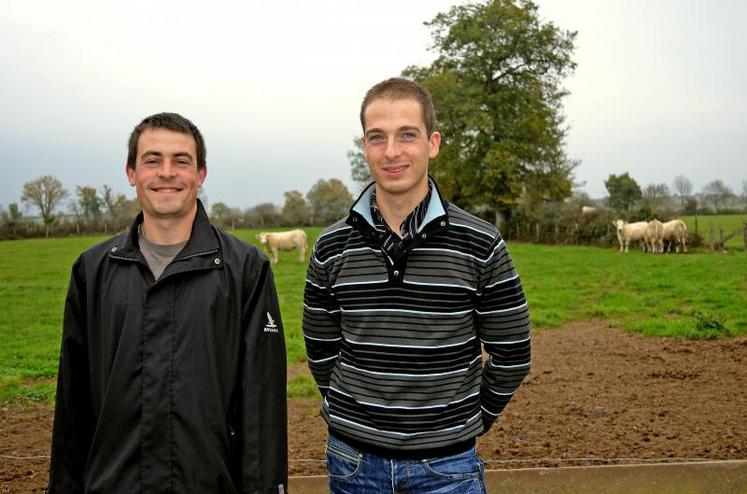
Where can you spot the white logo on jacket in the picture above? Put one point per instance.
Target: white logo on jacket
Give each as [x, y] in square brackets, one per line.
[270, 327]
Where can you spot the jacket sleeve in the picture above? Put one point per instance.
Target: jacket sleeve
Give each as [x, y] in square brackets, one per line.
[321, 323]
[73, 418]
[263, 436]
[503, 327]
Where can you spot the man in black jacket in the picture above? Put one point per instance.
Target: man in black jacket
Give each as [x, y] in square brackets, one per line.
[172, 366]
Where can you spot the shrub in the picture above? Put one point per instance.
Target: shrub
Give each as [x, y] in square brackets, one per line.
[708, 327]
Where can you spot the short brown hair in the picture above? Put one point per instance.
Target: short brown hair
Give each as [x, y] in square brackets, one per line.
[400, 88]
[168, 121]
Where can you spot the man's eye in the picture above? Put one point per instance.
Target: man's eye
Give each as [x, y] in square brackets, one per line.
[183, 163]
[151, 162]
[376, 139]
[409, 136]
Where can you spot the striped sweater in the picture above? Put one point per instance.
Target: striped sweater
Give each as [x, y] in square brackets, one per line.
[396, 349]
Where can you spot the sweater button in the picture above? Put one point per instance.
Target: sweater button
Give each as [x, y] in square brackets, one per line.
[217, 261]
[422, 236]
[443, 223]
[396, 273]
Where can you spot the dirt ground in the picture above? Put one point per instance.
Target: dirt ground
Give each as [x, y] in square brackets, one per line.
[595, 395]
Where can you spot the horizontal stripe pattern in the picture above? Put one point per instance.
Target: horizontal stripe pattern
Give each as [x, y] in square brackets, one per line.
[399, 360]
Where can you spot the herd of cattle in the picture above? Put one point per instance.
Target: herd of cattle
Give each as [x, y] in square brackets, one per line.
[652, 235]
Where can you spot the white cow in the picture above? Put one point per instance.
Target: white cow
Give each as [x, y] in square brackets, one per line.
[630, 232]
[655, 236]
[589, 210]
[675, 232]
[275, 241]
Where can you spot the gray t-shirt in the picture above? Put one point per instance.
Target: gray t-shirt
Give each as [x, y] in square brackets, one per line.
[158, 256]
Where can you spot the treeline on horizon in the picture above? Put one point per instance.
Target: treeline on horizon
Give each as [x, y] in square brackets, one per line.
[91, 211]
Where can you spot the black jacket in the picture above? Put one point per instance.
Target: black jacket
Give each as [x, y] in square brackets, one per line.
[175, 385]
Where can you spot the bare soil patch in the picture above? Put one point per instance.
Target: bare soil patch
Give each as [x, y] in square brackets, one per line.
[595, 395]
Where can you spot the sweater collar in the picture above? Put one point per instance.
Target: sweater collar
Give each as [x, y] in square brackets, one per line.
[436, 206]
[202, 239]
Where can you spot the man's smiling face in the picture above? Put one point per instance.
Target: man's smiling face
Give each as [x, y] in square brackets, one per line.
[166, 175]
[397, 147]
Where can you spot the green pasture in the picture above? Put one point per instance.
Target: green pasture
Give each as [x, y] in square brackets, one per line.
[695, 295]
[729, 223]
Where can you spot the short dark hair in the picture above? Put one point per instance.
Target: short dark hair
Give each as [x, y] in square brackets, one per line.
[168, 121]
[401, 88]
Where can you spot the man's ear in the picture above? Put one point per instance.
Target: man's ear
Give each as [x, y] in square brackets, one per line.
[434, 143]
[130, 174]
[202, 173]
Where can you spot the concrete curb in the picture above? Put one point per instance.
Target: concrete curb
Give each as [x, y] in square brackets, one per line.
[722, 477]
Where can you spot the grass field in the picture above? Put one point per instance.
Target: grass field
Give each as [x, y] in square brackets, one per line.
[729, 223]
[694, 295]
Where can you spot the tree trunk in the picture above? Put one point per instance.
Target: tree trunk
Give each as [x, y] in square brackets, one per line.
[500, 218]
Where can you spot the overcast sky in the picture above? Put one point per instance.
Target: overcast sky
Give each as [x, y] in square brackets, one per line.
[275, 87]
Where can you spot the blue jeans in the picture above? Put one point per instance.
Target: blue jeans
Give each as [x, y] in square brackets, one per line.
[353, 472]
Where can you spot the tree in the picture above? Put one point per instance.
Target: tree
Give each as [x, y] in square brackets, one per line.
[358, 165]
[89, 202]
[654, 196]
[623, 191]
[329, 200]
[226, 217]
[263, 215]
[716, 193]
[11, 218]
[45, 193]
[496, 87]
[683, 187]
[119, 209]
[296, 210]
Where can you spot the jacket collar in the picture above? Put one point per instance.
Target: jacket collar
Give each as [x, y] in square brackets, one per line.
[362, 207]
[202, 239]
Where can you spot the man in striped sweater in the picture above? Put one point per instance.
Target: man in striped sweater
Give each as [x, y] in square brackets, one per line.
[400, 299]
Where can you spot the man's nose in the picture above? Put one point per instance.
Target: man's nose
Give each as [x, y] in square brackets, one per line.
[167, 169]
[392, 149]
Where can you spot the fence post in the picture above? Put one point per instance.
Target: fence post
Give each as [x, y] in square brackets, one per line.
[536, 232]
[710, 237]
[745, 236]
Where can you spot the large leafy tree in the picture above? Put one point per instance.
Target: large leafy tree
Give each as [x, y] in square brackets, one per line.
[45, 193]
[496, 84]
[329, 201]
[296, 210]
[623, 191]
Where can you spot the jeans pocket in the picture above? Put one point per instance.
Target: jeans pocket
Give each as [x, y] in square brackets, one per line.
[456, 467]
[343, 462]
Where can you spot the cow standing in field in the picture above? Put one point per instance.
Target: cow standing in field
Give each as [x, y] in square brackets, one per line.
[655, 236]
[589, 210]
[675, 232]
[630, 232]
[275, 241]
